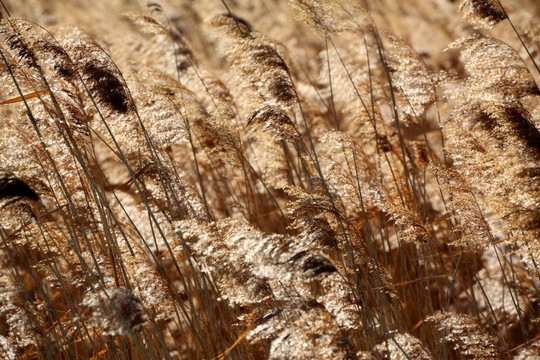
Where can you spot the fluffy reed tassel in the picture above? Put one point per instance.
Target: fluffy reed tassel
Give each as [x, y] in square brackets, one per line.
[483, 13]
[468, 338]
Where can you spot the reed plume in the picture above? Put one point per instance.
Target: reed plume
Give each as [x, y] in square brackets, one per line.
[271, 180]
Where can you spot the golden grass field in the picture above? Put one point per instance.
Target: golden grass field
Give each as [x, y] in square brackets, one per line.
[303, 179]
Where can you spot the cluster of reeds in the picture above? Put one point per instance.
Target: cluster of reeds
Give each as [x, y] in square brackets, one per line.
[295, 179]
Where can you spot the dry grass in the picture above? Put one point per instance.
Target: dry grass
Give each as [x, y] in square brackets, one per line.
[285, 180]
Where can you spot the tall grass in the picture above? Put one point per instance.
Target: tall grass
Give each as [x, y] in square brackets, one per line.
[284, 180]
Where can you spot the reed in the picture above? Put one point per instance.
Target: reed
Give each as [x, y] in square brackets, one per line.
[269, 180]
